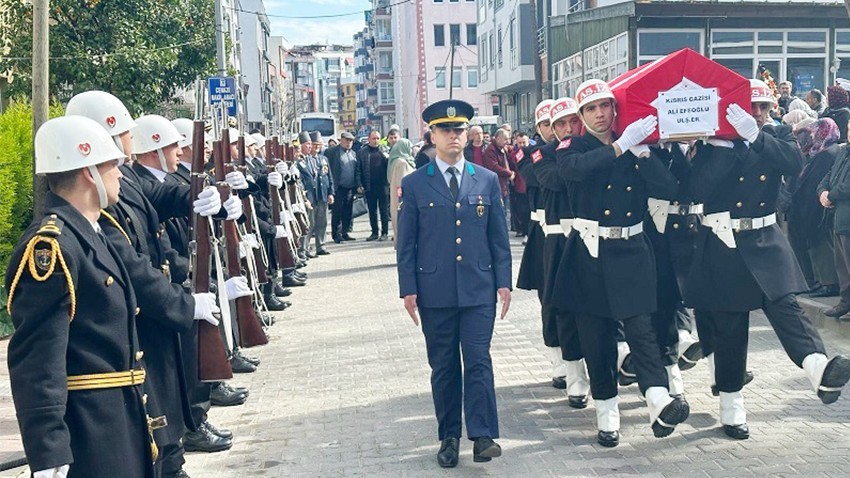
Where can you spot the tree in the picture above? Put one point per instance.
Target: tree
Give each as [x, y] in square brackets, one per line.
[142, 51]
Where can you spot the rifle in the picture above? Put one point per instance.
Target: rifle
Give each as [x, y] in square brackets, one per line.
[285, 257]
[212, 354]
[248, 209]
[296, 193]
[250, 332]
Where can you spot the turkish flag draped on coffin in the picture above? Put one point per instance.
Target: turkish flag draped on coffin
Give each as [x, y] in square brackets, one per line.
[687, 91]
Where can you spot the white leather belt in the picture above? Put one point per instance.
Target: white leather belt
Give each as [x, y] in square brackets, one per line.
[549, 229]
[566, 226]
[590, 231]
[684, 210]
[724, 227]
[534, 216]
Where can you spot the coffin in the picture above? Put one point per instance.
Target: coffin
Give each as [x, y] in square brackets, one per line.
[687, 91]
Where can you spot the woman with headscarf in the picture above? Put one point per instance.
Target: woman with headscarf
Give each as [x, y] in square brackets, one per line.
[401, 163]
[809, 224]
[793, 118]
[800, 105]
[838, 110]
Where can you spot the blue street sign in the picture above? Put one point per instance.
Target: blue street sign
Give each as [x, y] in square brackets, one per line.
[223, 91]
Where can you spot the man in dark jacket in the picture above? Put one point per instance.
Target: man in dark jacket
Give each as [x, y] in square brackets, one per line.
[343, 161]
[496, 160]
[474, 150]
[834, 193]
[372, 181]
[319, 187]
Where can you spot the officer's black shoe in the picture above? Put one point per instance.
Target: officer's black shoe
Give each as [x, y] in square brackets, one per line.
[222, 432]
[300, 264]
[290, 281]
[322, 252]
[673, 414]
[448, 454]
[608, 439]
[692, 355]
[302, 276]
[275, 304]
[559, 382]
[578, 401]
[837, 311]
[826, 291]
[382, 238]
[205, 441]
[346, 237]
[281, 291]
[221, 396]
[485, 449]
[748, 377]
[372, 237]
[240, 365]
[232, 389]
[337, 239]
[738, 432]
[835, 376]
[251, 360]
[627, 375]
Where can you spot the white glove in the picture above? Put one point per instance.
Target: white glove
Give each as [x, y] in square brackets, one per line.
[720, 143]
[251, 240]
[295, 172]
[205, 307]
[236, 180]
[281, 167]
[743, 122]
[640, 150]
[237, 287]
[233, 206]
[280, 231]
[275, 179]
[637, 132]
[58, 472]
[208, 202]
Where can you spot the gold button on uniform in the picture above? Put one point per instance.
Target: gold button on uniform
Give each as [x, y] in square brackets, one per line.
[459, 258]
[457, 223]
[762, 178]
[675, 225]
[629, 214]
[431, 205]
[628, 189]
[140, 354]
[761, 204]
[741, 179]
[138, 310]
[607, 212]
[609, 186]
[739, 204]
[637, 166]
[457, 241]
[109, 281]
[457, 205]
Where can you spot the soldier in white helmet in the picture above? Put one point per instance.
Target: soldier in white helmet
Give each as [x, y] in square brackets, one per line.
[75, 366]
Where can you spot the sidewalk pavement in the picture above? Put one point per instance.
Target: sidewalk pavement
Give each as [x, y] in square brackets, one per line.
[343, 390]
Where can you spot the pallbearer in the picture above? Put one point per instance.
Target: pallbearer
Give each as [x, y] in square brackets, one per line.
[453, 259]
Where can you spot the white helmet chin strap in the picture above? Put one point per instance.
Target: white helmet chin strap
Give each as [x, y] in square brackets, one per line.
[98, 184]
[163, 164]
[117, 140]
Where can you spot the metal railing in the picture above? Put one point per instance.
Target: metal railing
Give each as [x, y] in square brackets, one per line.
[542, 41]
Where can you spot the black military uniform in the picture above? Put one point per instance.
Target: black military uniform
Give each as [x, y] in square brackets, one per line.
[74, 361]
[531, 267]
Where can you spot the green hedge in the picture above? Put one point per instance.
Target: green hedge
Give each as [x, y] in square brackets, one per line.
[15, 184]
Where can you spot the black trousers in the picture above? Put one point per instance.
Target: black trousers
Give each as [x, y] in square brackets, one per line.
[520, 212]
[726, 334]
[664, 324]
[341, 211]
[198, 392]
[171, 459]
[378, 201]
[598, 337]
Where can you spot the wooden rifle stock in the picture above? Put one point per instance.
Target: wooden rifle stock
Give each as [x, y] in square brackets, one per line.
[248, 210]
[250, 332]
[212, 353]
[292, 154]
[285, 256]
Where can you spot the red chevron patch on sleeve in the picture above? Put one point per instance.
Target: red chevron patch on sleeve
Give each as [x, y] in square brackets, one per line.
[564, 144]
[536, 156]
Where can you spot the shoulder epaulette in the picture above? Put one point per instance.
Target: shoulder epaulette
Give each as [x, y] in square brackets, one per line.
[111, 220]
[41, 262]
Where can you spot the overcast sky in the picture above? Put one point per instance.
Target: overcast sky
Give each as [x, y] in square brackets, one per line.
[303, 31]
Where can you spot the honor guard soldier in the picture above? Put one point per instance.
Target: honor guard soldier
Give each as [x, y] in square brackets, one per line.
[453, 260]
[607, 274]
[743, 261]
[74, 361]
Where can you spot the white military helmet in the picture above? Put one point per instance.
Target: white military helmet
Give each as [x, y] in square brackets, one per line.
[153, 133]
[104, 108]
[592, 90]
[761, 93]
[184, 126]
[562, 108]
[250, 140]
[541, 112]
[72, 142]
[260, 139]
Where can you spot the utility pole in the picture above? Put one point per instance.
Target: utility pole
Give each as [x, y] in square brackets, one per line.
[40, 88]
[219, 38]
[452, 70]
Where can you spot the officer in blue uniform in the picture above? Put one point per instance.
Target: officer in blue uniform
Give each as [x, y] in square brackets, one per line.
[453, 260]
